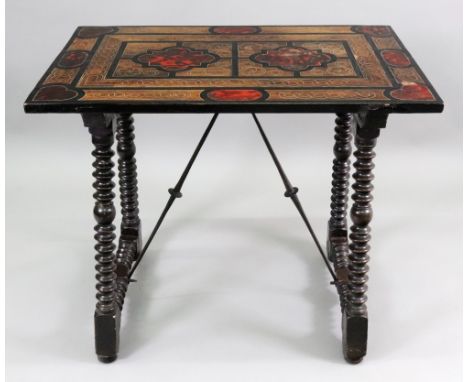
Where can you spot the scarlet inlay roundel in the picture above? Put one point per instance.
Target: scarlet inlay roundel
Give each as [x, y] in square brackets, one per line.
[396, 58]
[176, 59]
[293, 58]
[55, 93]
[373, 30]
[232, 95]
[72, 59]
[412, 91]
[235, 30]
[90, 32]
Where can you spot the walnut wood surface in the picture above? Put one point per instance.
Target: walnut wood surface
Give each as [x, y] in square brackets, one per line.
[236, 69]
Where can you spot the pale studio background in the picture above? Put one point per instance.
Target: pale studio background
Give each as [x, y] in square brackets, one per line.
[233, 288]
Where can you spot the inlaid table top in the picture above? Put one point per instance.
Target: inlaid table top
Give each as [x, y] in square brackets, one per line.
[234, 68]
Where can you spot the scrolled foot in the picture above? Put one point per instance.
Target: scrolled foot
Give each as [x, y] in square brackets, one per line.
[354, 338]
[107, 328]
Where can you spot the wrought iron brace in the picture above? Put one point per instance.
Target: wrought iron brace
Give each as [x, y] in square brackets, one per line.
[291, 192]
[175, 193]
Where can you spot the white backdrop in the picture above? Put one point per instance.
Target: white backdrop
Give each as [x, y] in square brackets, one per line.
[233, 289]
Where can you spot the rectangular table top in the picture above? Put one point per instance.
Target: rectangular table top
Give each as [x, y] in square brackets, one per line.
[234, 69]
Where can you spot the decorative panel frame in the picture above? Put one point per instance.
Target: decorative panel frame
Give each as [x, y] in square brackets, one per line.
[234, 68]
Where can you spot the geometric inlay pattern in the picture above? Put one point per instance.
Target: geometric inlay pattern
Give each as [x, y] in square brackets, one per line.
[176, 59]
[206, 68]
[294, 59]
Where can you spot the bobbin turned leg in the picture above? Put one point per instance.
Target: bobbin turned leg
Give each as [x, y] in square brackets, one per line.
[107, 314]
[130, 238]
[337, 225]
[355, 320]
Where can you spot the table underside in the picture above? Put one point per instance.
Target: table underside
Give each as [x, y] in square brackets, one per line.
[234, 69]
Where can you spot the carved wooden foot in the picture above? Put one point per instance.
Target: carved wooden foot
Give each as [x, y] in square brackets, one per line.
[354, 337]
[107, 315]
[107, 334]
[355, 317]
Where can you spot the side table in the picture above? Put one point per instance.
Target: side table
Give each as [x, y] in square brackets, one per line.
[360, 73]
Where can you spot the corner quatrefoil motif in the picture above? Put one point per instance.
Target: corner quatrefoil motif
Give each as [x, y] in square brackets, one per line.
[176, 59]
[72, 59]
[235, 30]
[56, 93]
[373, 30]
[293, 58]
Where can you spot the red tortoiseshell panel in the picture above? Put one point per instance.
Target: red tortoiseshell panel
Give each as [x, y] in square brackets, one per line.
[412, 91]
[202, 68]
[396, 58]
[231, 95]
[72, 59]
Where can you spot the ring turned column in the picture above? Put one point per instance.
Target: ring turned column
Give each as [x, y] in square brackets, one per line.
[337, 241]
[355, 319]
[107, 314]
[130, 237]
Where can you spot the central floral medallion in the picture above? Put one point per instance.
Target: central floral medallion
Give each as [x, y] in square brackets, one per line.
[293, 58]
[176, 59]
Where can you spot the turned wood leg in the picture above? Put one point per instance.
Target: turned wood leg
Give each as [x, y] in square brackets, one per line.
[337, 225]
[107, 314]
[130, 238]
[355, 320]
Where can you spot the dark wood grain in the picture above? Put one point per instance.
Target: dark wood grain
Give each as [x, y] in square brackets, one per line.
[130, 237]
[107, 314]
[337, 238]
[355, 318]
